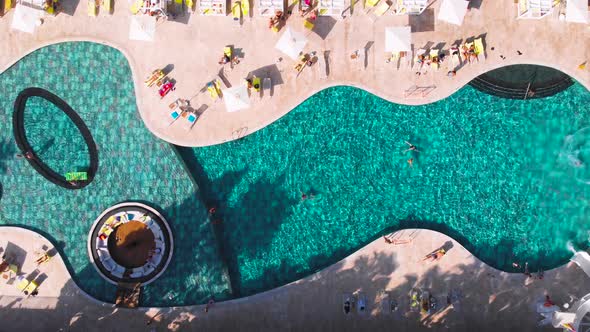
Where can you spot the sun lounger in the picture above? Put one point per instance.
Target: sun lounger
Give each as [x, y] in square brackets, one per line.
[236, 12]
[92, 8]
[270, 7]
[212, 7]
[31, 287]
[362, 304]
[417, 62]
[175, 115]
[107, 6]
[245, 5]
[214, 88]
[434, 58]
[479, 50]
[136, 6]
[331, 7]
[191, 119]
[370, 4]
[22, 283]
[308, 25]
[455, 59]
[348, 302]
[380, 10]
[266, 86]
[159, 243]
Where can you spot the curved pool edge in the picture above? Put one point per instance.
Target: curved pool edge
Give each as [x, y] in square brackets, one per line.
[259, 118]
[409, 256]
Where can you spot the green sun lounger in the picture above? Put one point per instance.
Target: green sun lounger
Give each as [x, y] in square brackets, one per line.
[76, 176]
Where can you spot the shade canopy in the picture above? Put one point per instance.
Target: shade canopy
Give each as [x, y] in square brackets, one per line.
[453, 11]
[236, 98]
[25, 18]
[291, 43]
[576, 11]
[142, 28]
[398, 39]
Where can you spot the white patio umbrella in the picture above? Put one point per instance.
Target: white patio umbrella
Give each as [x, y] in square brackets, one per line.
[236, 98]
[453, 11]
[398, 39]
[142, 28]
[25, 18]
[291, 43]
[576, 11]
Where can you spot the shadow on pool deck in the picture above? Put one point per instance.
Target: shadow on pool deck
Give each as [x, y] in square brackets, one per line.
[479, 298]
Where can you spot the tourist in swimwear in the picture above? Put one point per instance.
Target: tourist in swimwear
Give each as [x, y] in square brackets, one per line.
[411, 147]
[209, 305]
[387, 240]
[411, 162]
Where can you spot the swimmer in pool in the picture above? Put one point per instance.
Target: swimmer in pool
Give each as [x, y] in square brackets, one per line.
[411, 147]
[411, 162]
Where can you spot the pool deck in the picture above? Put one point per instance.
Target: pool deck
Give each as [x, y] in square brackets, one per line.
[486, 299]
[193, 45]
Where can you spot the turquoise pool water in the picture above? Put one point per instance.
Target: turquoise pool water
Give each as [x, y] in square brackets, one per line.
[506, 178]
[501, 176]
[133, 165]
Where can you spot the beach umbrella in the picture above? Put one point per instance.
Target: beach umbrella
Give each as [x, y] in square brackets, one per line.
[291, 43]
[576, 11]
[398, 39]
[453, 11]
[25, 18]
[236, 98]
[142, 28]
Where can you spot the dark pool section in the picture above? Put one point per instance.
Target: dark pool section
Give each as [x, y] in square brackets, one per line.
[18, 125]
[522, 82]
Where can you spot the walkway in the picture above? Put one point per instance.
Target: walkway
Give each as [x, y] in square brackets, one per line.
[485, 299]
[193, 49]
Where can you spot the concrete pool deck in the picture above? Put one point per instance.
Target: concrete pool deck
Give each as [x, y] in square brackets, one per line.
[484, 298]
[194, 47]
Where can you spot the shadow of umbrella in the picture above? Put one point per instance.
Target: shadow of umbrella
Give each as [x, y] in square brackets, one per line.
[323, 25]
[271, 71]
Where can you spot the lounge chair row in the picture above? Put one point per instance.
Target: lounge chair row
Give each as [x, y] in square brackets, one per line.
[459, 54]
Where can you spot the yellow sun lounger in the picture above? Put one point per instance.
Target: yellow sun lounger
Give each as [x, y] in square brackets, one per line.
[190, 5]
[107, 5]
[31, 287]
[371, 3]
[478, 44]
[434, 55]
[256, 83]
[245, 8]
[7, 6]
[308, 25]
[214, 88]
[136, 6]
[22, 285]
[236, 11]
[382, 8]
[92, 8]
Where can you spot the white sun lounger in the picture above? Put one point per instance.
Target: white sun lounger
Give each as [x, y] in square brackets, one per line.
[191, 119]
[362, 304]
[103, 253]
[266, 87]
[331, 7]
[270, 7]
[582, 259]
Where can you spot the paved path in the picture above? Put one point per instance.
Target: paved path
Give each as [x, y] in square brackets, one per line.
[193, 48]
[486, 299]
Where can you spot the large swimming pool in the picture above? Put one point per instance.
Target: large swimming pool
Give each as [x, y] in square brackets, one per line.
[508, 179]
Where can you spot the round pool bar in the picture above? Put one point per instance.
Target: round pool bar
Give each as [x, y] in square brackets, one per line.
[130, 243]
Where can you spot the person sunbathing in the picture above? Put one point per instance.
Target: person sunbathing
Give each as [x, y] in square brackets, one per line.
[224, 59]
[44, 258]
[434, 256]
